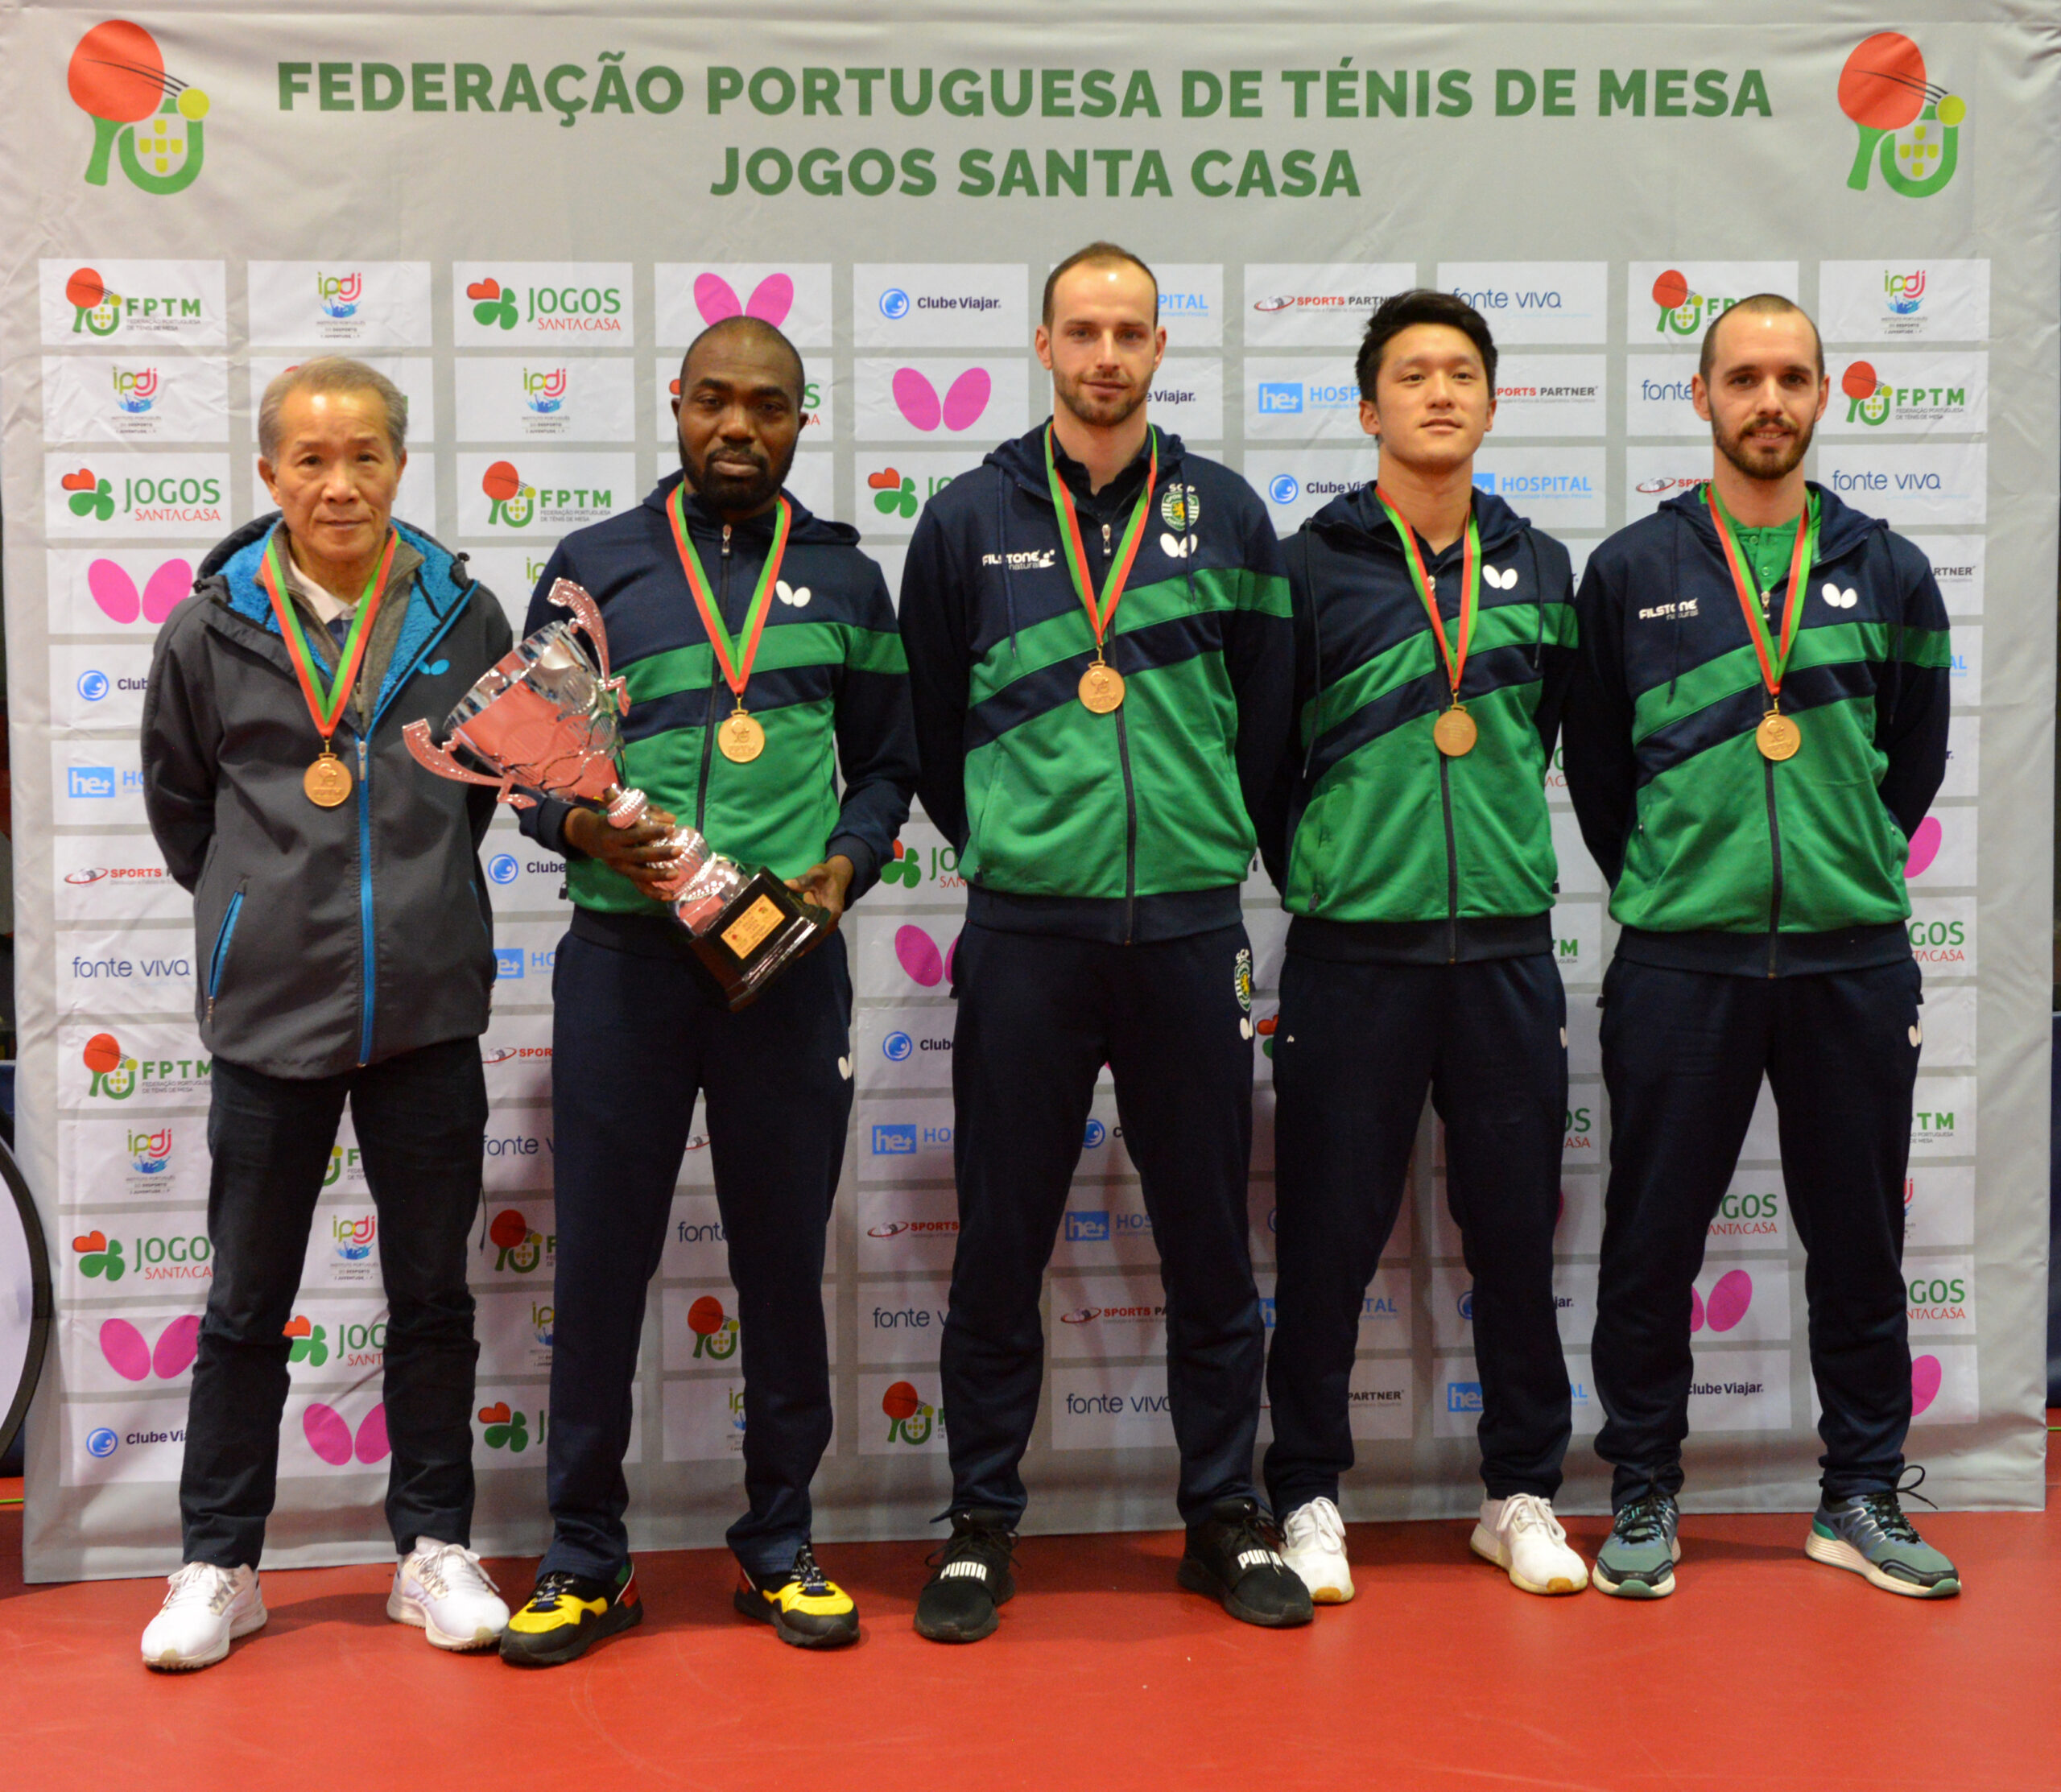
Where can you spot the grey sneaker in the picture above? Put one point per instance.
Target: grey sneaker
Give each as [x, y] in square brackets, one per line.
[1868, 1534]
[1637, 1558]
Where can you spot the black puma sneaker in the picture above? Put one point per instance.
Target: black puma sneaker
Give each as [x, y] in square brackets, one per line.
[959, 1603]
[1234, 1556]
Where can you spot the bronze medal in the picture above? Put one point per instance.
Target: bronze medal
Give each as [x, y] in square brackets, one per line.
[740, 738]
[1101, 688]
[328, 782]
[1454, 733]
[1778, 736]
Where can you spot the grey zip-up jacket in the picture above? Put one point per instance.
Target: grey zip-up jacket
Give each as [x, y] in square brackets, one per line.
[323, 938]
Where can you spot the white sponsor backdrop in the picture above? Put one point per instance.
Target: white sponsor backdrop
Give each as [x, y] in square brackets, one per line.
[1600, 190]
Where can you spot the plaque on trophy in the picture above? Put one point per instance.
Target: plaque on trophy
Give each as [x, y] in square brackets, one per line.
[545, 720]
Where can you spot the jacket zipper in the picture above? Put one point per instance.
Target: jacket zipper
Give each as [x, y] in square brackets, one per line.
[364, 894]
[1452, 862]
[221, 948]
[1131, 804]
[1774, 899]
[715, 683]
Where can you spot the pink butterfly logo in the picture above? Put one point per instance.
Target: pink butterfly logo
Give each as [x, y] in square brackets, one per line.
[1924, 1378]
[1924, 847]
[917, 399]
[771, 301]
[115, 592]
[130, 1355]
[918, 955]
[1727, 1305]
[328, 1434]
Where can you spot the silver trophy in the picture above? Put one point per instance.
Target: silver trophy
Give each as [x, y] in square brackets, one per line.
[547, 721]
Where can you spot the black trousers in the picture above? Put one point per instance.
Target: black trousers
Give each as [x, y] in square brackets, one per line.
[1683, 1054]
[1038, 1016]
[634, 1039]
[420, 1117]
[1355, 1048]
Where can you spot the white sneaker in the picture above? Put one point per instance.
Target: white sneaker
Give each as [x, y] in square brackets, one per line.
[442, 1589]
[1521, 1534]
[1313, 1544]
[206, 1607]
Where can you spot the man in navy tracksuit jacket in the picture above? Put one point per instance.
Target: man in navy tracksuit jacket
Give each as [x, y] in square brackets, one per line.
[1103, 846]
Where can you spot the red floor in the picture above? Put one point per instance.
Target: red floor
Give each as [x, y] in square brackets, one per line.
[1763, 1671]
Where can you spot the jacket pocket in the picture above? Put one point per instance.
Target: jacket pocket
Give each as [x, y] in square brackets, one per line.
[224, 939]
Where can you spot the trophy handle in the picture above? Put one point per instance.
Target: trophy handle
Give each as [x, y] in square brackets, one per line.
[427, 754]
[587, 613]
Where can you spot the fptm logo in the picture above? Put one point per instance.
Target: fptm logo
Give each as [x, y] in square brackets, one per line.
[117, 77]
[1683, 312]
[715, 1337]
[510, 500]
[909, 1419]
[523, 1249]
[113, 1075]
[1910, 125]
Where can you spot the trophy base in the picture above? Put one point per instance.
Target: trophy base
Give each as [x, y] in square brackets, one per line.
[764, 928]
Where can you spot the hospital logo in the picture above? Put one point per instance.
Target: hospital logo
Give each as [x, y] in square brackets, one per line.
[148, 120]
[1910, 125]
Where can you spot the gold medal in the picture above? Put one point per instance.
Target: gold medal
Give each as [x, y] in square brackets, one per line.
[1454, 733]
[1101, 688]
[328, 782]
[740, 738]
[1777, 737]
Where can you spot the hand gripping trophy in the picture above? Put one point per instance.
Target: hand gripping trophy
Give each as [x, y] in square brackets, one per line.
[544, 721]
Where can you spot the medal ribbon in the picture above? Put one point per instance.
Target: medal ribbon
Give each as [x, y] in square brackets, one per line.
[1100, 616]
[1774, 660]
[735, 664]
[326, 708]
[1470, 588]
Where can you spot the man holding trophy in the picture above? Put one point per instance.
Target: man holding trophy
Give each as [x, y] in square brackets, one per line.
[760, 655]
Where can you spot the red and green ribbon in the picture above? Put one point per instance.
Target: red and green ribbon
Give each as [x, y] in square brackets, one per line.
[733, 661]
[1101, 614]
[1470, 587]
[1774, 658]
[326, 707]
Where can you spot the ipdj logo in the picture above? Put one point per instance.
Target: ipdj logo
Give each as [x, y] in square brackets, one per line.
[115, 592]
[93, 685]
[91, 496]
[135, 389]
[354, 1237]
[896, 1047]
[509, 501]
[1910, 126]
[338, 293]
[1283, 488]
[117, 77]
[894, 305]
[1904, 293]
[909, 1419]
[960, 409]
[771, 301]
[715, 1334]
[502, 868]
[544, 392]
[151, 1152]
[101, 1443]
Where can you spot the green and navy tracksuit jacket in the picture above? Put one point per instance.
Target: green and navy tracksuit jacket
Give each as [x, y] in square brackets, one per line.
[1384, 849]
[1720, 860]
[1130, 827]
[829, 686]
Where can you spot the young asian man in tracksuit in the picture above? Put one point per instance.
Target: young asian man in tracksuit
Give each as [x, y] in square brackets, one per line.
[1097, 781]
[1411, 843]
[1758, 726]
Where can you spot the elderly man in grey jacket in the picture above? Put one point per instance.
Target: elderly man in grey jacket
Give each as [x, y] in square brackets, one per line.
[344, 952]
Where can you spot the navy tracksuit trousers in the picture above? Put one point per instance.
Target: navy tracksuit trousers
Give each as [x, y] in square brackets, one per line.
[1683, 1054]
[634, 1039]
[1038, 1016]
[1355, 1048]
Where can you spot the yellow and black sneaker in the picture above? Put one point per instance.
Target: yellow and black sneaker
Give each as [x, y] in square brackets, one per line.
[804, 1607]
[568, 1615]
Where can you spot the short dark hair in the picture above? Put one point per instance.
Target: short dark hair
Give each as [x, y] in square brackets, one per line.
[1420, 305]
[1768, 304]
[759, 331]
[1098, 254]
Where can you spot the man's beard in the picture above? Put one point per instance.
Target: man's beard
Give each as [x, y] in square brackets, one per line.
[1098, 412]
[731, 493]
[1757, 464]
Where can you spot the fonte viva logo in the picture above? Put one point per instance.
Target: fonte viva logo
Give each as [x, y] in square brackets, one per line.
[961, 408]
[117, 77]
[910, 1420]
[135, 389]
[510, 500]
[522, 1248]
[714, 1336]
[338, 293]
[1910, 125]
[543, 392]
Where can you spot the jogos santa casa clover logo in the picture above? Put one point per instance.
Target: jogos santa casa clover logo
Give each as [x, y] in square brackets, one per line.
[148, 119]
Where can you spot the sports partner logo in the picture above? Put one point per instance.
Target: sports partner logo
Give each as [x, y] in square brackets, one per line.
[1909, 124]
[117, 77]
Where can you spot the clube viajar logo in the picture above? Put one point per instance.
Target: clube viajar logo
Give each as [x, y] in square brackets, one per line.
[143, 118]
[1910, 126]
